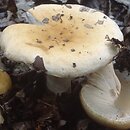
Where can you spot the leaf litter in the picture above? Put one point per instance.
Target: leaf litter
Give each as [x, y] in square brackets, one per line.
[30, 105]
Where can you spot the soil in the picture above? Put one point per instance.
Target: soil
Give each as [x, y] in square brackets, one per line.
[30, 105]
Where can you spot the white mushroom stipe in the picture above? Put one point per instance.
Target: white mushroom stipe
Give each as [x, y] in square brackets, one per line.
[104, 100]
[58, 85]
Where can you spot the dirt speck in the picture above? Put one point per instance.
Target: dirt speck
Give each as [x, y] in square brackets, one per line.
[84, 9]
[99, 22]
[45, 20]
[68, 6]
[70, 17]
[72, 50]
[51, 46]
[74, 65]
[57, 17]
[38, 41]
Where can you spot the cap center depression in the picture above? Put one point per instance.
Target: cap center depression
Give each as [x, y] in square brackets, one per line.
[60, 31]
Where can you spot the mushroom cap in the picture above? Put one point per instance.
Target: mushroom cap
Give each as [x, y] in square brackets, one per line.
[5, 82]
[104, 100]
[73, 40]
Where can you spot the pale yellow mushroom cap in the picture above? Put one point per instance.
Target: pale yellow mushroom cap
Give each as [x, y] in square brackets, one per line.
[73, 40]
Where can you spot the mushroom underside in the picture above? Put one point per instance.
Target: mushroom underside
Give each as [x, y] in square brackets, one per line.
[105, 101]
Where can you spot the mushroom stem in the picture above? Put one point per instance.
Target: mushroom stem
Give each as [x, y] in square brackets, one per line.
[1, 118]
[58, 85]
[105, 80]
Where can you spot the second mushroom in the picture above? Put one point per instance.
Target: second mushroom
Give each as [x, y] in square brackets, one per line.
[105, 99]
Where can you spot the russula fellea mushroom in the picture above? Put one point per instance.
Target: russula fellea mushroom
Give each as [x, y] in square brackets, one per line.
[73, 40]
[5, 82]
[5, 86]
[105, 99]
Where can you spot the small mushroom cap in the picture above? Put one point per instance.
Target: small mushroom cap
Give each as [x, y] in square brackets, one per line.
[73, 40]
[5, 82]
[104, 100]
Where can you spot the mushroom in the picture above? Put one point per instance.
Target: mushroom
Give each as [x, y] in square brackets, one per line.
[72, 40]
[5, 86]
[5, 82]
[105, 99]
